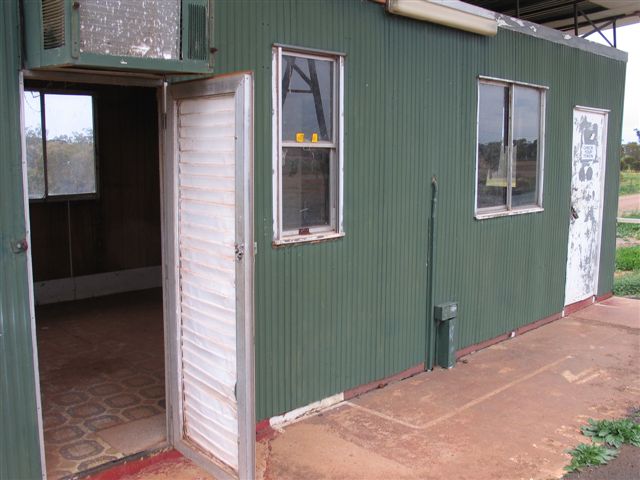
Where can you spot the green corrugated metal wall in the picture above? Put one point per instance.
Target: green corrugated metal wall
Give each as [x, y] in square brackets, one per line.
[20, 450]
[336, 315]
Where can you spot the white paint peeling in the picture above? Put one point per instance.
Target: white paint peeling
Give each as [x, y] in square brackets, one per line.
[280, 421]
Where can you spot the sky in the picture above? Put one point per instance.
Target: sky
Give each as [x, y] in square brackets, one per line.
[628, 39]
[65, 114]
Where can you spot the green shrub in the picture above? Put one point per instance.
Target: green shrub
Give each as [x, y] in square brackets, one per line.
[628, 258]
[630, 163]
[613, 432]
[628, 230]
[588, 455]
[627, 285]
[629, 183]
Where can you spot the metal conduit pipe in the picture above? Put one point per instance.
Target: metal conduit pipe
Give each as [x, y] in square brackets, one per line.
[430, 321]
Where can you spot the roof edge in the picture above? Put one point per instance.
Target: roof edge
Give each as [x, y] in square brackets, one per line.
[556, 36]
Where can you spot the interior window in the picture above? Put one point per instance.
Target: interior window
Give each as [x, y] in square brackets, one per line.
[60, 144]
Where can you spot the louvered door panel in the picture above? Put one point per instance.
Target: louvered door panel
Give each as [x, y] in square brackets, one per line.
[207, 270]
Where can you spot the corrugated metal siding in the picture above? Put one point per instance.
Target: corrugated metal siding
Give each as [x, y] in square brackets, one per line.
[20, 452]
[335, 315]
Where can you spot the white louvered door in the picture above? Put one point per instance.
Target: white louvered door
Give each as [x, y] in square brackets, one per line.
[211, 125]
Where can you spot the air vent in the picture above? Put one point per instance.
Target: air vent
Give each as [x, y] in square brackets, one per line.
[194, 30]
[52, 24]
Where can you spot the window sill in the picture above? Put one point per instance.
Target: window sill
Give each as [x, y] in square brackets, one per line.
[303, 239]
[507, 213]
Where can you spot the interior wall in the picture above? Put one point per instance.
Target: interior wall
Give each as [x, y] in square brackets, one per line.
[120, 229]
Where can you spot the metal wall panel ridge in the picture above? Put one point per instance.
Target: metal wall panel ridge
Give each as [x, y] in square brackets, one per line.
[20, 451]
[335, 315]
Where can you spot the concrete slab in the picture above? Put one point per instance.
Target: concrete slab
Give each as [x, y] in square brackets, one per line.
[507, 412]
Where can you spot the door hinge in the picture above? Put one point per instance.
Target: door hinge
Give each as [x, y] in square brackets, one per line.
[239, 252]
[255, 248]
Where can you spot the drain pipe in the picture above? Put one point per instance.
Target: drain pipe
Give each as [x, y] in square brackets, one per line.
[430, 333]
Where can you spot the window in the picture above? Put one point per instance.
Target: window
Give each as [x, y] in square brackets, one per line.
[60, 145]
[307, 139]
[510, 148]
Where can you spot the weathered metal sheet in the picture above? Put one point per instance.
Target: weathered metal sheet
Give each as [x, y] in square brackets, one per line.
[206, 235]
[588, 162]
[334, 315]
[19, 437]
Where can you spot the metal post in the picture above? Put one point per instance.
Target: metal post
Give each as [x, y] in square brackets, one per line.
[430, 327]
[615, 40]
[575, 18]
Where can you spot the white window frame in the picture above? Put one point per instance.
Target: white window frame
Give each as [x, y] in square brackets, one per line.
[336, 183]
[508, 209]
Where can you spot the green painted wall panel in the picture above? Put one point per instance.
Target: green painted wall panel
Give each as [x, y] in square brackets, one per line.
[20, 451]
[336, 315]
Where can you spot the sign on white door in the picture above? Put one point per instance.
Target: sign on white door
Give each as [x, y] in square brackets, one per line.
[585, 215]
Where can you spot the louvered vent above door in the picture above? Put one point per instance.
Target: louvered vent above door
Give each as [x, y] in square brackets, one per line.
[194, 30]
[53, 20]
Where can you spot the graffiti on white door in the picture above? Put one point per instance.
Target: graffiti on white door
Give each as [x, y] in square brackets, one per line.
[585, 215]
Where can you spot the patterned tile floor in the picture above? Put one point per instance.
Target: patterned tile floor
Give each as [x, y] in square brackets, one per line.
[101, 365]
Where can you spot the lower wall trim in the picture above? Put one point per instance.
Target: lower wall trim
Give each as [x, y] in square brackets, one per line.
[131, 465]
[367, 387]
[506, 336]
[268, 427]
[604, 297]
[99, 284]
[265, 428]
[574, 307]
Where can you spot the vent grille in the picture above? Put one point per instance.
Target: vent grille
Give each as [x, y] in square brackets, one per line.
[52, 24]
[194, 34]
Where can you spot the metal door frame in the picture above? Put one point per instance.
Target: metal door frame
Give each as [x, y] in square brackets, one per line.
[90, 77]
[32, 308]
[241, 86]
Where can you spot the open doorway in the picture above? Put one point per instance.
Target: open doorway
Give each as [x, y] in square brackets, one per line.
[95, 223]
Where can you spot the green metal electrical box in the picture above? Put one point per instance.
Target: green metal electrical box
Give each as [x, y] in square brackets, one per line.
[445, 311]
[445, 314]
[152, 36]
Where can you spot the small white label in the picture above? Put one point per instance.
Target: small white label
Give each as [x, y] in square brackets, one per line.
[588, 152]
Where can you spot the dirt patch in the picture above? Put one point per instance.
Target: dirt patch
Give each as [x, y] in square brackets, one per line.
[626, 466]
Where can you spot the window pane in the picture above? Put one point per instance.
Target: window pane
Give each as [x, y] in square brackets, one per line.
[307, 98]
[305, 187]
[493, 124]
[70, 144]
[33, 137]
[526, 135]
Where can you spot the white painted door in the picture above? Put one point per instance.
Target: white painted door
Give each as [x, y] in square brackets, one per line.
[209, 130]
[585, 216]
